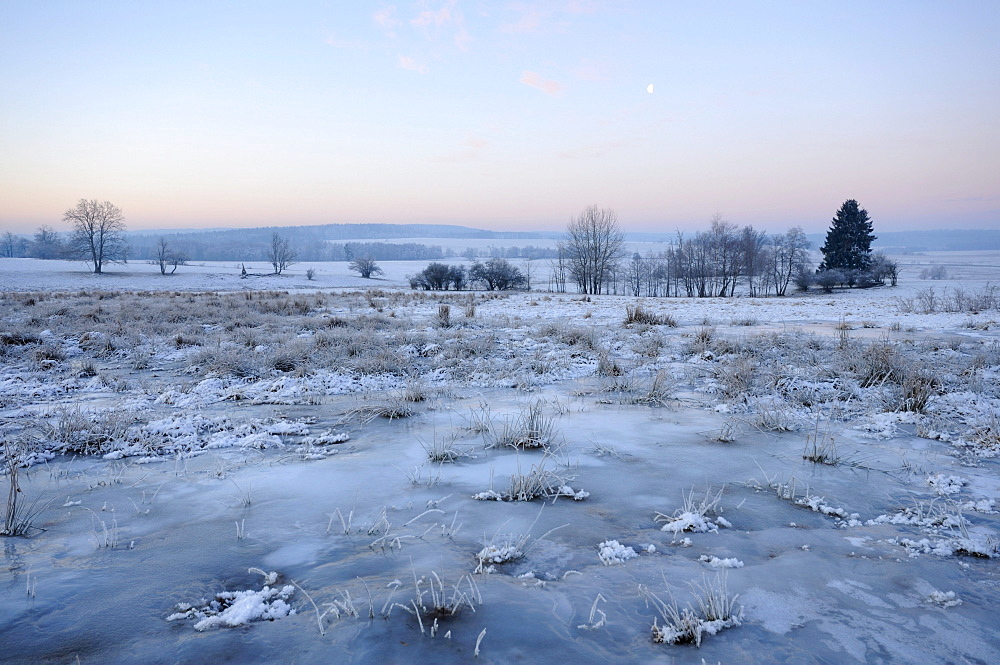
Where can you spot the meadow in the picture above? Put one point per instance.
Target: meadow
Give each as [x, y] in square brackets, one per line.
[283, 469]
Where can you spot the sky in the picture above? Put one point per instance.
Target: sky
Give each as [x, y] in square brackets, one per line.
[501, 115]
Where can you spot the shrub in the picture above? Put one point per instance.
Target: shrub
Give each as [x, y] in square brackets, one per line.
[828, 279]
[439, 277]
[936, 272]
[497, 274]
[637, 314]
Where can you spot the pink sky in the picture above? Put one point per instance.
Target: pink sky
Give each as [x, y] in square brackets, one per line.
[501, 115]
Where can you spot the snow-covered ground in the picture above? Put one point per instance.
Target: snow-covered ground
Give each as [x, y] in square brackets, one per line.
[274, 469]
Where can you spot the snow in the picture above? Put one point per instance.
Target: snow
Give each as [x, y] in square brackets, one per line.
[238, 608]
[837, 562]
[944, 598]
[716, 562]
[689, 521]
[612, 552]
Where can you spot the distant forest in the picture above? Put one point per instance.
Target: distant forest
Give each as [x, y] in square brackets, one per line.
[910, 242]
[344, 242]
[327, 242]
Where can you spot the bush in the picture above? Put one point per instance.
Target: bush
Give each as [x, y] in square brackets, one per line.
[439, 277]
[365, 265]
[803, 279]
[498, 275]
[828, 279]
[636, 314]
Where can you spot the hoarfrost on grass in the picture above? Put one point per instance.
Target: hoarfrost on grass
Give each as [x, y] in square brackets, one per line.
[716, 562]
[238, 608]
[612, 552]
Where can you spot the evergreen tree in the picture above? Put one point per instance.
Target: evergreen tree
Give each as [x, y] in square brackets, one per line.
[849, 240]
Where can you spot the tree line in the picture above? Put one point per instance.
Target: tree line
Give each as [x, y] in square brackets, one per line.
[720, 262]
[495, 274]
[47, 243]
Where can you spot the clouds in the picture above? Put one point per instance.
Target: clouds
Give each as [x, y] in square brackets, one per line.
[436, 103]
[386, 19]
[443, 23]
[529, 21]
[535, 80]
[436, 17]
[423, 32]
[407, 62]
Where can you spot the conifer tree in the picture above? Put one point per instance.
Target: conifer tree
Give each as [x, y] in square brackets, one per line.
[849, 240]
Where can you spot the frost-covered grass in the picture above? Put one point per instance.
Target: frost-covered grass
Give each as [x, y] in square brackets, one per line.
[434, 601]
[20, 514]
[821, 444]
[638, 314]
[612, 552]
[716, 562]
[150, 416]
[539, 482]
[444, 449]
[789, 491]
[530, 428]
[237, 608]
[713, 610]
[504, 548]
[696, 514]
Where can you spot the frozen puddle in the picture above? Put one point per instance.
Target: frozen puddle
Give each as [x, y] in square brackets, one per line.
[325, 511]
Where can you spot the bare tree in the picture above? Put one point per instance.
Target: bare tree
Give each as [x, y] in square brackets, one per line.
[882, 268]
[753, 244]
[98, 233]
[366, 266]
[439, 277]
[46, 244]
[594, 245]
[635, 275]
[528, 270]
[789, 256]
[8, 244]
[280, 253]
[725, 263]
[497, 274]
[167, 256]
[558, 269]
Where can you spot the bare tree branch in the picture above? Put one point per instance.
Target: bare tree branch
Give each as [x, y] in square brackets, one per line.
[98, 233]
[594, 244]
[280, 253]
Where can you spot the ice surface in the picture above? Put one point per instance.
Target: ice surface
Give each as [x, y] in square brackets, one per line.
[195, 477]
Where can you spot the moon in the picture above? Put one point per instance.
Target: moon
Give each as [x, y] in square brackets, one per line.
[649, 88]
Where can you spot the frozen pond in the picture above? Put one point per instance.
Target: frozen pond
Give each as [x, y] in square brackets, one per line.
[828, 460]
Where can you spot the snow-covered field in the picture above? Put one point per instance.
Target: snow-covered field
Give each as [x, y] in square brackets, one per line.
[274, 469]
